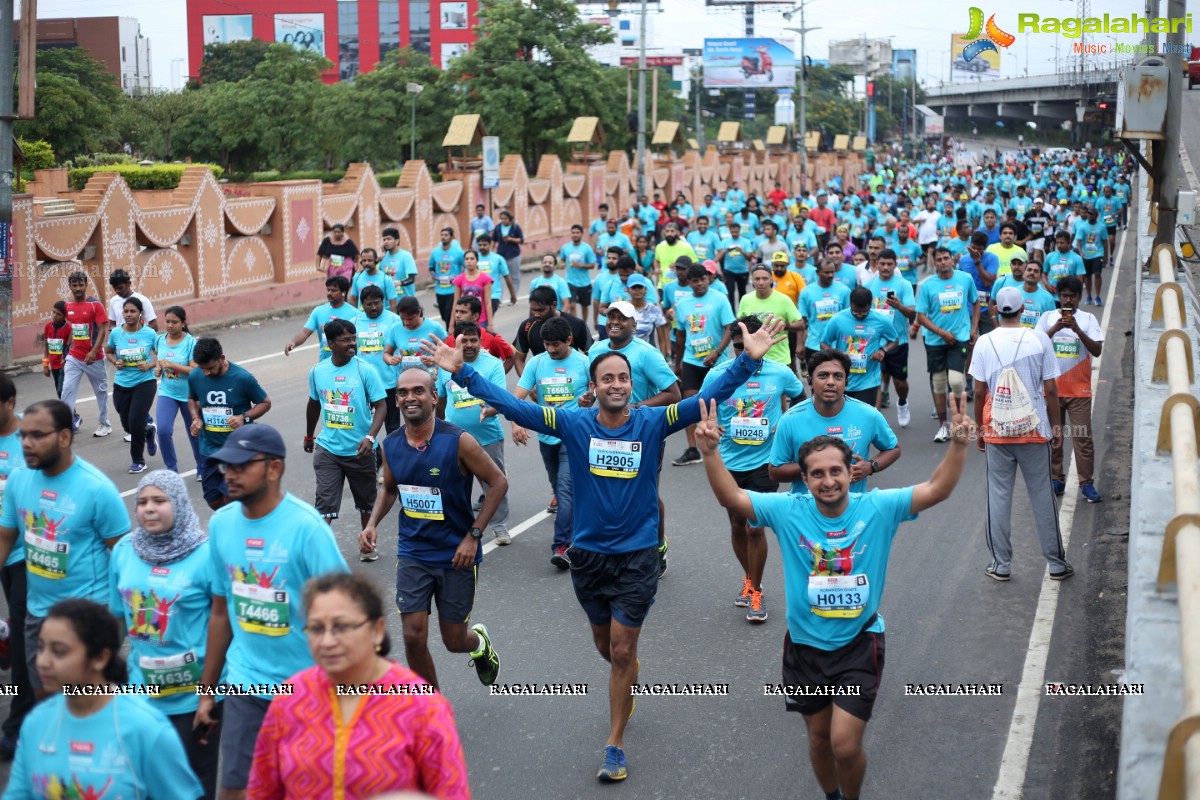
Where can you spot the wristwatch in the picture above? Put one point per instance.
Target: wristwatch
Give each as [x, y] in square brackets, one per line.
[874, 466]
[370, 438]
[246, 419]
[476, 534]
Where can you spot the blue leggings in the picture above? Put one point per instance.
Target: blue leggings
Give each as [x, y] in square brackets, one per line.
[165, 419]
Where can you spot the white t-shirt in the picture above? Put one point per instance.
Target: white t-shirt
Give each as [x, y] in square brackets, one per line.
[927, 224]
[116, 303]
[864, 273]
[1029, 352]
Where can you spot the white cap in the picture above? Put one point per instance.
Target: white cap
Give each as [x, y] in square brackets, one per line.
[1039, 200]
[624, 308]
[1009, 300]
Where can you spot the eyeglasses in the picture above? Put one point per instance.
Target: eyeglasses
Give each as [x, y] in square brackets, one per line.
[339, 629]
[739, 346]
[236, 468]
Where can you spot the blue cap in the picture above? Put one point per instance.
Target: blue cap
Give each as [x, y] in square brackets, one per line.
[638, 280]
[249, 441]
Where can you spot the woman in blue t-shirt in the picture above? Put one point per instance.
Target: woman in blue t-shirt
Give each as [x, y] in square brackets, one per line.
[131, 350]
[173, 350]
[94, 736]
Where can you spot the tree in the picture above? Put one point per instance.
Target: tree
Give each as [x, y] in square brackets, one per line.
[830, 109]
[232, 62]
[285, 92]
[76, 99]
[164, 113]
[531, 74]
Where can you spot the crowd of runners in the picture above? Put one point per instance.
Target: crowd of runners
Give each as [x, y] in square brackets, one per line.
[773, 331]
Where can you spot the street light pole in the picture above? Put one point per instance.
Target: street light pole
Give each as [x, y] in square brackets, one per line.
[802, 106]
[414, 89]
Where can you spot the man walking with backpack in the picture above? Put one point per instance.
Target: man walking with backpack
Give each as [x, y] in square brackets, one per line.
[1016, 404]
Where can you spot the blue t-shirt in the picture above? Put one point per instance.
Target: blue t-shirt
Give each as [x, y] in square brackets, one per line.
[736, 262]
[1108, 208]
[1059, 265]
[126, 749]
[908, 258]
[705, 244]
[229, 395]
[165, 610]
[860, 339]
[957, 246]
[847, 276]
[614, 470]
[1037, 302]
[751, 414]
[857, 424]
[462, 408]
[372, 341]
[948, 305]
[605, 241]
[834, 569]
[495, 267]
[445, 264]
[262, 566]
[132, 349]
[345, 395]
[363, 279]
[818, 305]
[479, 225]
[562, 289]
[649, 370]
[174, 385]
[580, 260]
[598, 226]
[703, 321]
[558, 382]
[407, 344]
[619, 290]
[1090, 238]
[990, 263]
[11, 457]
[66, 522]
[904, 294]
[400, 266]
[321, 316]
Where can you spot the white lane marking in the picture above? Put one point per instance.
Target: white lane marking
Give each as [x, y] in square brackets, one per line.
[1010, 783]
[133, 491]
[517, 531]
[1187, 167]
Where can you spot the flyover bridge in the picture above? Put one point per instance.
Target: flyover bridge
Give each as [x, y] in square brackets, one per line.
[1048, 100]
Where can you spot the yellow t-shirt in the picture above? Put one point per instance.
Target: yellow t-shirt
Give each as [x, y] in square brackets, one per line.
[1006, 256]
[666, 256]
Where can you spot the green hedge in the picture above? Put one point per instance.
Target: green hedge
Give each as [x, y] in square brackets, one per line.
[38, 154]
[160, 176]
[388, 180]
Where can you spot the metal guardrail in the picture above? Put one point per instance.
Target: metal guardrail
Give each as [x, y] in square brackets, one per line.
[1072, 78]
[1179, 435]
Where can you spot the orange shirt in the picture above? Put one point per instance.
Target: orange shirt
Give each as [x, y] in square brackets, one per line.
[790, 284]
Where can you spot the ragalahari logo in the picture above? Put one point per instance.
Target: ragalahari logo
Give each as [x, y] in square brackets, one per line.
[995, 37]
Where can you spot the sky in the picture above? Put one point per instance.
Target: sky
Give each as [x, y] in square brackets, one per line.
[925, 26]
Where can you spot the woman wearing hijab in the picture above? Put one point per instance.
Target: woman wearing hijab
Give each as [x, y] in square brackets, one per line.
[161, 579]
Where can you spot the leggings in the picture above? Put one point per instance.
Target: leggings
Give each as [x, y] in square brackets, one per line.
[165, 419]
[735, 282]
[133, 405]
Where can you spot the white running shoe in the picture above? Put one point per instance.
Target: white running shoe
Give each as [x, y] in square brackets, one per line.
[943, 434]
[103, 430]
[903, 414]
[129, 437]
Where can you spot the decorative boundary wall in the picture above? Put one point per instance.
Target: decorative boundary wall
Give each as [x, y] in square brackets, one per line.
[224, 251]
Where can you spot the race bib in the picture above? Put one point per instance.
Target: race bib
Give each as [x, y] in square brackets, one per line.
[826, 309]
[842, 596]
[216, 418]
[611, 459]
[261, 609]
[421, 502]
[444, 279]
[903, 262]
[556, 390]
[337, 261]
[338, 417]
[1064, 348]
[701, 345]
[752, 431]
[370, 342]
[55, 346]
[81, 332]
[984, 297]
[858, 362]
[409, 362]
[46, 558]
[1030, 318]
[461, 398]
[130, 356]
[178, 674]
[950, 301]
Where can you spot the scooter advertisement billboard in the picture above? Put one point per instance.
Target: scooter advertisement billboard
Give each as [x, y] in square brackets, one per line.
[749, 64]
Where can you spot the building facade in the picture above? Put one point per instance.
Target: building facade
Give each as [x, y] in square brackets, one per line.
[116, 42]
[354, 34]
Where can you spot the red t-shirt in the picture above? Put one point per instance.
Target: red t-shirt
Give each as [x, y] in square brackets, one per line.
[823, 217]
[57, 342]
[778, 196]
[491, 343]
[84, 318]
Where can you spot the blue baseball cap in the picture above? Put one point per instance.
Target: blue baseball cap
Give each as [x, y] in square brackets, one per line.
[249, 441]
[638, 280]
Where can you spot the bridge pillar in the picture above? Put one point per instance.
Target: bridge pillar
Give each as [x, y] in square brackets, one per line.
[999, 109]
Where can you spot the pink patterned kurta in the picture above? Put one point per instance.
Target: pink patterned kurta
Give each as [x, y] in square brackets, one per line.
[393, 743]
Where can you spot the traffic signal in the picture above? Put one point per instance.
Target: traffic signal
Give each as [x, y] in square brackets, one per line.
[870, 88]
[1102, 105]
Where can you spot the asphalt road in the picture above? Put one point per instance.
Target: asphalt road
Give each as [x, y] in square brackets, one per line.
[947, 623]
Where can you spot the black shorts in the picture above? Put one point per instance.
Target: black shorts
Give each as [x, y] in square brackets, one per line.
[943, 357]
[241, 719]
[986, 323]
[418, 584]
[212, 481]
[868, 396]
[332, 472]
[895, 362]
[691, 377]
[755, 480]
[858, 663]
[581, 295]
[619, 586]
[1092, 266]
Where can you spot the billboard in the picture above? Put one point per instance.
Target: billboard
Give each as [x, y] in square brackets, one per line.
[904, 65]
[861, 56]
[749, 63]
[301, 31]
[983, 66]
[226, 28]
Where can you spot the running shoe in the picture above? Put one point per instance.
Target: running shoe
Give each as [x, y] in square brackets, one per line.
[76, 421]
[366, 558]
[662, 558]
[487, 663]
[613, 769]
[1062, 576]
[690, 456]
[137, 467]
[997, 576]
[943, 434]
[103, 430]
[1090, 494]
[1059, 487]
[560, 558]
[1089, 300]
[886, 400]
[152, 439]
[758, 610]
[503, 538]
[129, 437]
[553, 507]
[1099, 300]
[743, 599]
[903, 414]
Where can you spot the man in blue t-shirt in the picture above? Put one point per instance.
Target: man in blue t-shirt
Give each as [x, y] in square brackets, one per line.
[948, 308]
[581, 263]
[370, 274]
[834, 544]
[894, 298]
[1062, 261]
[445, 264]
[398, 264]
[1093, 244]
[402, 343]
[866, 337]
[336, 307]
[222, 398]
[702, 321]
[613, 451]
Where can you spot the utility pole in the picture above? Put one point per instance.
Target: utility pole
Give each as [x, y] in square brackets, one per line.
[6, 179]
[699, 121]
[1172, 163]
[802, 106]
[641, 136]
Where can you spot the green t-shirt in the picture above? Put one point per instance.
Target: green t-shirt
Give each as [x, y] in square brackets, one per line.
[667, 255]
[781, 306]
[1006, 256]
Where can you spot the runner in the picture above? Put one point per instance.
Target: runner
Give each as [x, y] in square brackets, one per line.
[370, 274]
[467, 309]
[12, 577]
[122, 286]
[1006, 249]
[1063, 261]
[835, 638]
[495, 267]
[867, 338]
[89, 331]
[473, 283]
[430, 465]
[556, 378]
[174, 352]
[402, 343]
[340, 392]
[264, 546]
[581, 262]
[667, 252]
[894, 298]
[614, 556]
[65, 515]
[748, 420]
[398, 264]
[948, 309]
[766, 302]
[130, 348]
[372, 325]
[335, 307]
[222, 398]
[445, 264]
[1095, 247]
[550, 277]
[528, 341]
[1038, 300]
[819, 302]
